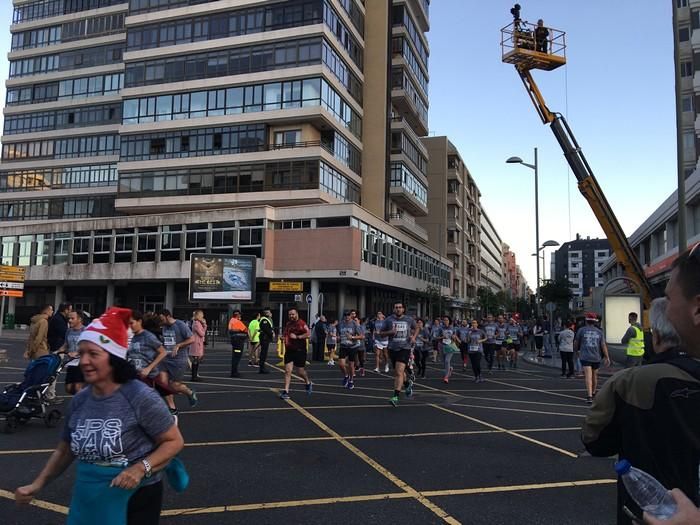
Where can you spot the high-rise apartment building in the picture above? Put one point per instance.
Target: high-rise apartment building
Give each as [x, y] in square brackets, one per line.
[580, 262]
[140, 132]
[492, 267]
[688, 21]
[454, 219]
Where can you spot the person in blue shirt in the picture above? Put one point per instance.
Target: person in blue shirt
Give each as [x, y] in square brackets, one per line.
[590, 343]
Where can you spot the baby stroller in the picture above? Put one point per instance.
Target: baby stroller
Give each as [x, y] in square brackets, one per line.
[23, 401]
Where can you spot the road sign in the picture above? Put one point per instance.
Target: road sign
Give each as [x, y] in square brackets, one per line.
[286, 286]
[12, 273]
[11, 285]
[11, 293]
[297, 298]
[309, 298]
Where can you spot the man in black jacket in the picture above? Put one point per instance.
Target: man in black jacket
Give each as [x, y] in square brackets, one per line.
[58, 326]
[649, 414]
[267, 336]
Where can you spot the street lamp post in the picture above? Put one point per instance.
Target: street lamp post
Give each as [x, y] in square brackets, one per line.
[518, 160]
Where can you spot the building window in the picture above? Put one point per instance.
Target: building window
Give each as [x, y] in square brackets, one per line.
[687, 104]
[686, 69]
[683, 34]
[681, 3]
[283, 138]
[688, 140]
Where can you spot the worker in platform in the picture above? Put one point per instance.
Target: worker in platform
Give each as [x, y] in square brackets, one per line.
[541, 37]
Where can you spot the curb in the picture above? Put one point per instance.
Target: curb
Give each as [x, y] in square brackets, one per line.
[603, 372]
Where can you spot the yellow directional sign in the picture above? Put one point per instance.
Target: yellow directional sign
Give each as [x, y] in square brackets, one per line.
[286, 286]
[12, 273]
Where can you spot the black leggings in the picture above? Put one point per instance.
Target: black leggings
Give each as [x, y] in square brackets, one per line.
[489, 351]
[144, 505]
[475, 358]
[463, 351]
[567, 359]
[420, 359]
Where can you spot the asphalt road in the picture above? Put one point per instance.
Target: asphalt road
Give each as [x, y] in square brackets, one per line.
[506, 451]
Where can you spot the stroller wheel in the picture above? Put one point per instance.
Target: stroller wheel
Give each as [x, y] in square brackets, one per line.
[52, 418]
[11, 424]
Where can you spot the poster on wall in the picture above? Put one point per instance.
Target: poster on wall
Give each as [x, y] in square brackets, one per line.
[222, 278]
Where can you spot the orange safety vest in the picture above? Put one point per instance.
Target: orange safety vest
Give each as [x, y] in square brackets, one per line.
[236, 325]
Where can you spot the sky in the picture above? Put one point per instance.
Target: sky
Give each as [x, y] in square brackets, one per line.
[616, 91]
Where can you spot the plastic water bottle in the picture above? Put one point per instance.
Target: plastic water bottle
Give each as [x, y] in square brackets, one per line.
[651, 496]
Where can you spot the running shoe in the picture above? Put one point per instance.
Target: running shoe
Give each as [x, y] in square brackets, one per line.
[192, 398]
[409, 389]
[346, 380]
[309, 387]
[481, 379]
[284, 394]
[589, 400]
[331, 362]
[362, 372]
[376, 369]
[386, 369]
[351, 385]
[446, 380]
[394, 400]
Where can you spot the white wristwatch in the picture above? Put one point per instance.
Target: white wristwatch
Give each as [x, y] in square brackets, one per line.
[148, 470]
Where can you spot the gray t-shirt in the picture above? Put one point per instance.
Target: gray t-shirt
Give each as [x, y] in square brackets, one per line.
[72, 337]
[566, 340]
[143, 351]
[174, 334]
[119, 429]
[475, 336]
[463, 333]
[514, 332]
[501, 332]
[331, 335]
[404, 328]
[590, 343]
[346, 330]
[490, 331]
[380, 326]
[422, 339]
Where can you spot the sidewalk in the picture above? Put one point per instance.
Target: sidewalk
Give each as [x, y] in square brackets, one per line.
[555, 362]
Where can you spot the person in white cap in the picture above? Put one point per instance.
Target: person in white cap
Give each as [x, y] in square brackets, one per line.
[120, 431]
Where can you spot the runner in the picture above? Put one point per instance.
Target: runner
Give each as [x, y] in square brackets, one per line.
[296, 332]
[514, 332]
[381, 344]
[361, 350]
[490, 347]
[422, 348]
[476, 338]
[350, 336]
[435, 337]
[501, 333]
[462, 332]
[590, 342]
[74, 376]
[177, 338]
[402, 330]
[449, 342]
[331, 340]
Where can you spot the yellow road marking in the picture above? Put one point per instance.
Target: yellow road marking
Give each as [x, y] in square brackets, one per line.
[376, 466]
[512, 433]
[46, 505]
[515, 488]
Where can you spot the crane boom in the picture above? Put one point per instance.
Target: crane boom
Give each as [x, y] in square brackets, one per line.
[519, 49]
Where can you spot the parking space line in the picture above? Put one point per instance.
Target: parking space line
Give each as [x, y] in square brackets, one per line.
[376, 466]
[517, 488]
[46, 505]
[511, 432]
[518, 410]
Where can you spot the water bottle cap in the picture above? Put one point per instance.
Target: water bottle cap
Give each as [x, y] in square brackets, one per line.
[622, 467]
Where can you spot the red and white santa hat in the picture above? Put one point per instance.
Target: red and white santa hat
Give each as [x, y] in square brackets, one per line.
[109, 331]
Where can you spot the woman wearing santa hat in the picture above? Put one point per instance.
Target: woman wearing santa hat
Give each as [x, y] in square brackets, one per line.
[120, 431]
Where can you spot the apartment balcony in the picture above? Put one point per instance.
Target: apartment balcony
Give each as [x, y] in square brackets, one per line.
[407, 224]
[454, 174]
[453, 223]
[454, 249]
[421, 8]
[404, 198]
[399, 123]
[454, 199]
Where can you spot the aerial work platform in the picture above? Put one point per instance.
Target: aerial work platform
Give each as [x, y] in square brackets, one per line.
[523, 49]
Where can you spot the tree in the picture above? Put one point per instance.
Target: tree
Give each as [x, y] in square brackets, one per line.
[436, 301]
[557, 292]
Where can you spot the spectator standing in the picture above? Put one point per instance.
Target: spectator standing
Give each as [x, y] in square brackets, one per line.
[199, 334]
[58, 326]
[566, 351]
[319, 339]
[649, 414]
[331, 341]
[37, 344]
[267, 336]
[254, 340]
[634, 339]
[238, 332]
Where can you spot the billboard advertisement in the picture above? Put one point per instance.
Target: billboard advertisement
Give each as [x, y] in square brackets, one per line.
[222, 278]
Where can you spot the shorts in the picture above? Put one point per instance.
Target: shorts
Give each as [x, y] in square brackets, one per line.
[513, 346]
[298, 357]
[381, 345]
[595, 365]
[347, 352]
[330, 346]
[175, 368]
[436, 345]
[74, 375]
[401, 356]
[490, 348]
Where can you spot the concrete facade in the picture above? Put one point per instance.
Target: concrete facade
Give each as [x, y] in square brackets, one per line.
[492, 274]
[136, 135]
